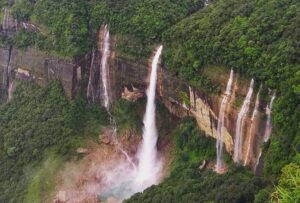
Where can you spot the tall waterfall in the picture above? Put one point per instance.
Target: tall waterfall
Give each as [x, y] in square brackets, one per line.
[269, 121]
[104, 67]
[149, 166]
[251, 134]
[5, 20]
[238, 143]
[106, 93]
[220, 129]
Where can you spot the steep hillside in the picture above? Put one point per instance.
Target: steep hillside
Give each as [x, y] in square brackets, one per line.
[102, 52]
[259, 39]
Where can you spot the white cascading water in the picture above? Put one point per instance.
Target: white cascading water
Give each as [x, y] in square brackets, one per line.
[206, 3]
[5, 20]
[250, 140]
[149, 166]
[269, 121]
[238, 142]
[220, 129]
[257, 161]
[10, 90]
[104, 69]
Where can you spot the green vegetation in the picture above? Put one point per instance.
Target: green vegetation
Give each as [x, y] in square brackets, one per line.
[43, 180]
[126, 115]
[141, 23]
[70, 26]
[129, 116]
[187, 183]
[289, 183]
[35, 121]
[66, 22]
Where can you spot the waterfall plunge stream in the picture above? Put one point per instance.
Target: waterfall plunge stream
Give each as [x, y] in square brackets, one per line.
[238, 142]
[104, 69]
[220, 129]
[269, 121]
[126, 179]
[149, 167]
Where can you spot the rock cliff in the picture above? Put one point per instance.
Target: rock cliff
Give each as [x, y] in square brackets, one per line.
[129, 76]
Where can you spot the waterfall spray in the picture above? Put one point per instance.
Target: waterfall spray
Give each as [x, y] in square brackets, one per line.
[251, 134]
[149, 166]
[238, 143]
[269, 121]
[220, 129]
[104, 69]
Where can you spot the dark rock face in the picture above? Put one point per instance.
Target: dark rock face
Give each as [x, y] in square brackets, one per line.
[36, 65]
[129, 74]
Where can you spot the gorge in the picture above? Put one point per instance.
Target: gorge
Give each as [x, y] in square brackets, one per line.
[87, 115]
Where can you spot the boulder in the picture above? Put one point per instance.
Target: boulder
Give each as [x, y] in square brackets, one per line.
[82, 150]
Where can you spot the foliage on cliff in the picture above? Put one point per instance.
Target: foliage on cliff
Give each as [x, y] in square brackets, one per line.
[36, 120]
[64, 24]
[289, 183]
[187, 183]
[141, 22]
[69, 26]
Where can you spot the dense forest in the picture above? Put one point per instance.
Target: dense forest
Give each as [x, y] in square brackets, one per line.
[36, 124]
[70, 27]
[259, 39]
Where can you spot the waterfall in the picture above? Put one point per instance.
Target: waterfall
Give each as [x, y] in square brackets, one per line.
[238, 143]
[5, 20]
[104, 67]
[103, 90]
[251, 134]
[269, 121]
[149, 166]
[257, 161]
[10, 90]
[104, 70]
[206, 3]
[220, 129]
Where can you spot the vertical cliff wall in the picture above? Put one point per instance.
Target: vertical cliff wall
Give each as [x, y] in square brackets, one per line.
[183, 100]
[32, 64]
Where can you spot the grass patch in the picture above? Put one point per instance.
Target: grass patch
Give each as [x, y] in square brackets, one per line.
[42, 183]
[238, 101]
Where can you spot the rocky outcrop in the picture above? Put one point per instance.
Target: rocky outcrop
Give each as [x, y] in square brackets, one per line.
[133, 95]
